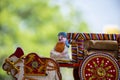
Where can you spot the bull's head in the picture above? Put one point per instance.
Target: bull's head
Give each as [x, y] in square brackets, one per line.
[10, 63]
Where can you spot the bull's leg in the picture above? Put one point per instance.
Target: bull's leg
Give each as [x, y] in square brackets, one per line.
[58, 75]
[52, 65]
[75, 73]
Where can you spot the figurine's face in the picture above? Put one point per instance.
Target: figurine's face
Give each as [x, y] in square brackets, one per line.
[62, 38]
[6, 66]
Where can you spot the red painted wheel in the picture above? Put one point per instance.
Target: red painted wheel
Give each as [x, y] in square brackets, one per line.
[99, 66]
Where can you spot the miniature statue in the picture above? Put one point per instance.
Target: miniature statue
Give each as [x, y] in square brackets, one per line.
[60, 51]
[31, 67]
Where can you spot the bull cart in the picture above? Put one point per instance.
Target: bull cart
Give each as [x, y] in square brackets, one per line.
[94, 56]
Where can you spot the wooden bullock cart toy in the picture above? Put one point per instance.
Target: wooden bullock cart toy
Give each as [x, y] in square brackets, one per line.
[94, 57]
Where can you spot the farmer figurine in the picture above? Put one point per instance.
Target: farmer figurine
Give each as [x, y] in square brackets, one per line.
[60, 51]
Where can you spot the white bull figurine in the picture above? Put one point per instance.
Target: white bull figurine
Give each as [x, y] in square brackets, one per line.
[31, 67]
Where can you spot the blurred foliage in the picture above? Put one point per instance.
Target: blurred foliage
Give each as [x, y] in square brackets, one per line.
[33, 25]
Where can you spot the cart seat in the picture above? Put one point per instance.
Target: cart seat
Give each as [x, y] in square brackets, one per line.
[106, 46]
[101, 45]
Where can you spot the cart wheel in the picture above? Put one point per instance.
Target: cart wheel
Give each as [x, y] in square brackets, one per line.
[99, 66]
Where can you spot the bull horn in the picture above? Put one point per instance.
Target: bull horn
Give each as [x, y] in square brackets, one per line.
[18, 53]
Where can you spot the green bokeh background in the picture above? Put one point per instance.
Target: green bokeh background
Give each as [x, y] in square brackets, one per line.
[33, 25]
